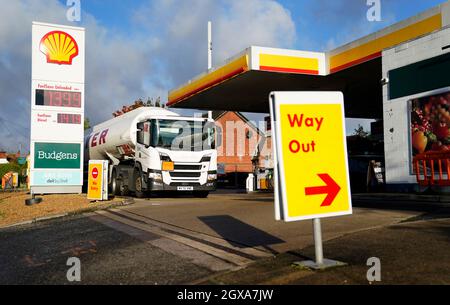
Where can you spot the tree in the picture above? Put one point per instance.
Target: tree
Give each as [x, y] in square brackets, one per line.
[87, 124]
[139, 103]
[360, 132]
[158, 102]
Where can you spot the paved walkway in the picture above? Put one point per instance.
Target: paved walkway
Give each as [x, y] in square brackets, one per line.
[410, 253]
[249, 219]
[191, 240]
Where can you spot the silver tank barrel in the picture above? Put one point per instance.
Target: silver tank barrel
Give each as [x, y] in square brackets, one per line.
[120, 132]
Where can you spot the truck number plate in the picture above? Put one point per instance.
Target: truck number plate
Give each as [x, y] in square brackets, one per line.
[185, 188]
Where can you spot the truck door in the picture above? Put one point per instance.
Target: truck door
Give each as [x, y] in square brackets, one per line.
[142, 144]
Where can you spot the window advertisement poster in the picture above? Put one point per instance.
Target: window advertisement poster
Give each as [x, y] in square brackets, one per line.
[430, 123]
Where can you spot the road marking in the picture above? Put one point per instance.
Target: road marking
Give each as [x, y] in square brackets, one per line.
[224, 255]
[250, 251]
[195, 256]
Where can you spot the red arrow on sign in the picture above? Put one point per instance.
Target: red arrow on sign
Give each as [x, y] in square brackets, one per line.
[331, 189]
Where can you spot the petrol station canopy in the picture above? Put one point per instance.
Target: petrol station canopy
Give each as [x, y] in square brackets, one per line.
[244, 82]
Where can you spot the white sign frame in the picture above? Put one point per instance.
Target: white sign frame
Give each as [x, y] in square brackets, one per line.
[56, 76]
[300, 98]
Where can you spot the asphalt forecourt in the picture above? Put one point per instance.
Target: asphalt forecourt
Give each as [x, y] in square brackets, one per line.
[251, 248]
[402, 263]
[247, 219]
[106, 256]
[224, 239]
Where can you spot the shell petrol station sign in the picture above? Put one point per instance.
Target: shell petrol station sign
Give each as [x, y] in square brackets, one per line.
[57, 108]
[312, 172]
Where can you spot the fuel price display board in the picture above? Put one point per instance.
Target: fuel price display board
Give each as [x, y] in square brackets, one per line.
[58, 98]
[64, 118]
[57, 109]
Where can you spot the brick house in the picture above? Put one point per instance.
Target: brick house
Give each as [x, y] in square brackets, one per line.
[6, 158]
[264, 160]
[3, 157]
[237, 145]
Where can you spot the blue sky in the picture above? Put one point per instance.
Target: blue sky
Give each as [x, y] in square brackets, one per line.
[144, 48]
[117, 16]
[325, 22]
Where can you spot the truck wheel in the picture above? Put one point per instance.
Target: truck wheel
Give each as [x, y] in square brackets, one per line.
[201, 194]
[124, 191]
[138, 184]
[115, 184]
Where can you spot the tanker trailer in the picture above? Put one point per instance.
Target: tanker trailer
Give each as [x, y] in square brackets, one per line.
[152, 149]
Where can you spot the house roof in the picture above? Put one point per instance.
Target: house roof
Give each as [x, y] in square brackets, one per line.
[219, 114]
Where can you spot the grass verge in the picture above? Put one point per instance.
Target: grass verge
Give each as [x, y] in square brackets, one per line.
[13, 209]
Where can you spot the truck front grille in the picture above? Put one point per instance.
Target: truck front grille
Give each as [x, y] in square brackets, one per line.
[185, 174]
[189, 167]
[184, 184]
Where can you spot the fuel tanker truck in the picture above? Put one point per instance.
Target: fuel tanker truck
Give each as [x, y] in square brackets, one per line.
[153, 149]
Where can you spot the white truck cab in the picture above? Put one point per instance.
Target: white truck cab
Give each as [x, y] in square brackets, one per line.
[155, 150]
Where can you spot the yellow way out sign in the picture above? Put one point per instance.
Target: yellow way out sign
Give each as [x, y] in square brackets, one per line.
[311, 171]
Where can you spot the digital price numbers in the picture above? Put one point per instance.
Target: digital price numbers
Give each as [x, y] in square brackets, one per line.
[64, 118]
[58, 98]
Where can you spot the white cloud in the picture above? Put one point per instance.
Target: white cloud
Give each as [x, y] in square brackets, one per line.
[116, 70]
[15, 66]
[116, 67]
[168, 48]
[236, 25]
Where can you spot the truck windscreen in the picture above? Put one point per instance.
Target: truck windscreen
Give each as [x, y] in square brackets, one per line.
[183, 135]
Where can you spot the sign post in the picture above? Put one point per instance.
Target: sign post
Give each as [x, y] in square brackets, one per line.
[318, 241]
[57, 109]
[311, 165]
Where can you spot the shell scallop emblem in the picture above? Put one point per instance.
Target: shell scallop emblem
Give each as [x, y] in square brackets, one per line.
[59, 47]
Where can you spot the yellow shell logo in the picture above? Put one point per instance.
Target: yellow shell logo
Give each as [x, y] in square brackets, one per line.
[59, 47]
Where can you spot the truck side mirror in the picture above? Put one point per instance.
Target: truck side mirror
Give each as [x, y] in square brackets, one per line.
[147, 134]
[143, 134]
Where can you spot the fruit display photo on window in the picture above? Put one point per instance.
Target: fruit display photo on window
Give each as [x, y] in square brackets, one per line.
[430, 124]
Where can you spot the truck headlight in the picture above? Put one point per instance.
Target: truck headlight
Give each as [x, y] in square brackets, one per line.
[155, 176]
[212, 177]
[206, 159]
[165, 157]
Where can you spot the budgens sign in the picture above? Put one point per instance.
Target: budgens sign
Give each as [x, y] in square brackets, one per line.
[57, 156]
